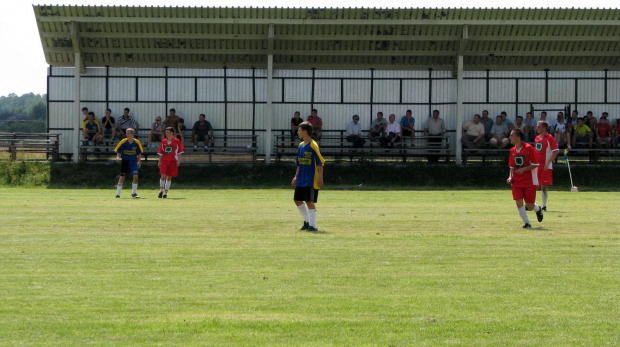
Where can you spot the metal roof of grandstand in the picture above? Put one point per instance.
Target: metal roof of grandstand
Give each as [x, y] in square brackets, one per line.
[331, 38]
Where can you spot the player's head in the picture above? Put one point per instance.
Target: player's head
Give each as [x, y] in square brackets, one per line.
[91, 116]
[516, 137]
[169, 132]
[130, 132]
[542, 127]
[304, 130]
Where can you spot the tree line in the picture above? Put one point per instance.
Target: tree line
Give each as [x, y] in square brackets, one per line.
[26, 113]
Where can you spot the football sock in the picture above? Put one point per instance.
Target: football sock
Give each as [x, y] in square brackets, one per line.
[545, 195]
[134, 188]
[312, 217]
[303, 209]
[161, 184]
[523, 215]
[536, 208]
[167, 186]
[119, 188]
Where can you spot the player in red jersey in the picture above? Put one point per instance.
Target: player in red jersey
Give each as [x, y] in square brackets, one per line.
[523, 177]
[547, 150]
[169, 152]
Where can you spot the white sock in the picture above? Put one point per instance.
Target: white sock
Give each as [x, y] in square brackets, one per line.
[134, 188]
[536, 207]
[167, 186]
[303, 209]
[312, 217]
[162, 183]
[119, 188]
[523, 215]
[545, 195]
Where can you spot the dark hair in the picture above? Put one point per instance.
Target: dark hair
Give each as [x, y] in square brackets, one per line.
[202, 114]
[476, 115]
[173, 110]
[483, 111]
[519, 117]
[408, 111]
[589, 112]
[605, 114]
[84, 108]
[307, 127]
[181, 120]
[518, 133]
[436, 111]
[297, 112]
[379, 113]
[355, 116]
[504, 113]
[91, 113]
[580, 119]
[127, 109]
[575, 111]
[171, 129]
[530, 113]
[545, 112]
[107, 109]
[314, 110]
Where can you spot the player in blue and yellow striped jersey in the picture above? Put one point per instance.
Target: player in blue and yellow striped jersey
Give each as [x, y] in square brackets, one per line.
[308, 177]
[129, 150]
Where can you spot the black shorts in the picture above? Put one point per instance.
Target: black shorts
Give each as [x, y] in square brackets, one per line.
[306, 194]
[129, 168]
[406, 132]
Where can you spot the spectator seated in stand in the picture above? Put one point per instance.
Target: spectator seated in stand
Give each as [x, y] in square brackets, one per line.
[559, 132]
[92, 130]
[604, 133]
[377, 127]
[354, 133]
[407, 126]
[617, 134]
[317, 125]
[125, 122]
[473, 134]
[529, 128]
[180, 130]
[202, 131]
[499, 133]
[157, 132]
[583, 134]
[391, 135]
[295, 121]
[108, 125]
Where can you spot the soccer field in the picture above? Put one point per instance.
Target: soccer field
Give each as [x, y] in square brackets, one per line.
[229, 267]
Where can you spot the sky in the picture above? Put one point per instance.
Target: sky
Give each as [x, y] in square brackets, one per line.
[23, 68]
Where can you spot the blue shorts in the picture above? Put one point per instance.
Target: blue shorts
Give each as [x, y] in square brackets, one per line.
[129, 167]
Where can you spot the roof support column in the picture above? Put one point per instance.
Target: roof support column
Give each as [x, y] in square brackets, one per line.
[459, 107]
[269, 107]
[76, 107]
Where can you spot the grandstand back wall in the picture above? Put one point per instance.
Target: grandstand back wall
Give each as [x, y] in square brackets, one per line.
[235, 99]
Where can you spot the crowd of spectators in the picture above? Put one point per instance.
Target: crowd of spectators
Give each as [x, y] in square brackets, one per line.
[111, 130]
[574, 131]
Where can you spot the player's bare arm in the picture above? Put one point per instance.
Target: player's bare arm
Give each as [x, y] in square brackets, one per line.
[294, 181]
[320, 179]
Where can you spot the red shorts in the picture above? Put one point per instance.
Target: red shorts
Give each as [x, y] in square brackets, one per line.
[169, 168]
[545, 178]
[526, 193]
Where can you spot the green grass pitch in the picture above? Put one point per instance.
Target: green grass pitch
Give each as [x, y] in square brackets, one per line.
[229, 267]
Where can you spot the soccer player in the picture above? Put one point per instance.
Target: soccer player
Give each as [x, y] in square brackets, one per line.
[308, 177]
[169, 152]
[547, 150]
[523, 177]
[130, 151]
